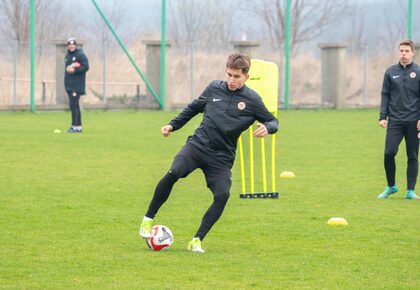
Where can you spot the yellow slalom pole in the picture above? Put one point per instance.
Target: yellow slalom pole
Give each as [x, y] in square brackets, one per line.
[264, 175]
[273, 159]
[251, 158]
[241, 158]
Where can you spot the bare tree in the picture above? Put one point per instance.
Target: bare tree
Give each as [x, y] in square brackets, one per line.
[357, 33]
[114, 12]
[200, 22]
[308, 18]
[16, 15]
[393, 29]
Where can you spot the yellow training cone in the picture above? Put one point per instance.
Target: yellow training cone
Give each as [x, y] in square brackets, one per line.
[337, 221]
[287, 174]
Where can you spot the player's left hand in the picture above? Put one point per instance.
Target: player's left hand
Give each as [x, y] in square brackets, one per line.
[261, 131]
[418, 125]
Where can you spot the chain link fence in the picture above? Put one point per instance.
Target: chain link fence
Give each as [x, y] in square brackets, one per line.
[112, 82]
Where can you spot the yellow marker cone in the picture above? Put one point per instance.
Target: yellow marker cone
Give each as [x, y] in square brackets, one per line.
[57, 131]
[287, 174]
[337, 221]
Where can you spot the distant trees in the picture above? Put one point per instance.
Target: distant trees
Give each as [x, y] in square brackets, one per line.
[359, 29]
[393, 28]
[308, 18]
[114, 12]
[205, 23]
[50, 20]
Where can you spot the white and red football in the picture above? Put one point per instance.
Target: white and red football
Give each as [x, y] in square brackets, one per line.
[162, 238]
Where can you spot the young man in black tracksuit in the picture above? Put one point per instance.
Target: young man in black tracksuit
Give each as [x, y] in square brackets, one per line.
[77, 65]
[400, 114]
[229, 108]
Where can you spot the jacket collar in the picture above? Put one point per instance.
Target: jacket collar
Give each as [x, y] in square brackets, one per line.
[407, 66]
[244, 87]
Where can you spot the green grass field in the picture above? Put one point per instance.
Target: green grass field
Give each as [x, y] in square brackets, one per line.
[71, 206]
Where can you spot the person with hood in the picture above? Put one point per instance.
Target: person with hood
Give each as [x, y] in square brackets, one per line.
[77, 65]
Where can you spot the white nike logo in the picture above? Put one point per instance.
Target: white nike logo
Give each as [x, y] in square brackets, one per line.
[216, 100]
[394, 77]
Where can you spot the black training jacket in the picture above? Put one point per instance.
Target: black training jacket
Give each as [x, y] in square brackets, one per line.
[226, 115]
[76, 82]
[400, 97]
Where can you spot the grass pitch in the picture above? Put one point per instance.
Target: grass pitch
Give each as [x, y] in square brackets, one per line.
[71, 206]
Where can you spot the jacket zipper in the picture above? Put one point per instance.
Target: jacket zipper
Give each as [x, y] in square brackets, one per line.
[230, 101]
[405, 83]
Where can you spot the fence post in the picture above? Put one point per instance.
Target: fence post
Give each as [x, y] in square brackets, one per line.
[192, 70]
[282, 93]
[248, 48]
[138, 93]
[15, 47]
[417, 52]
[365, 74]
[104, 46]
[43, 92]
[153, 69]
[333, 74]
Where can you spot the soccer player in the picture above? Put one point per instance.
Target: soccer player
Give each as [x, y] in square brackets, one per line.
[400, 114]
[229, 108]
[77, 65]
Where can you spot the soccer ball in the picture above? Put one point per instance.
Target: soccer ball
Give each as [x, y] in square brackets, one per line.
[162, 238]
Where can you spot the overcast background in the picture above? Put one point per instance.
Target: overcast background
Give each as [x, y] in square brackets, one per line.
[201, 34]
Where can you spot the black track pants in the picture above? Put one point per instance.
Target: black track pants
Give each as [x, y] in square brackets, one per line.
[218, 179]
[76, 116]
[396, 131]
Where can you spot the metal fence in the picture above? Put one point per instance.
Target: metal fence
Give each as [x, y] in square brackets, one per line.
[113, 83]
[106, 87]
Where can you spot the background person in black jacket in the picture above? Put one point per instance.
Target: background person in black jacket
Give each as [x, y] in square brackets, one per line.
[77, 65]
[400, 114]
[229, 108]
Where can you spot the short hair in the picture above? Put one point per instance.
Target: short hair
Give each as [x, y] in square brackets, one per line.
[239, 61]
[407, 42]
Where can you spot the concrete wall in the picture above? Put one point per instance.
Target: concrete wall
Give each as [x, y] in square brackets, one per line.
[153, 57]
[248, 48]
[333, 74]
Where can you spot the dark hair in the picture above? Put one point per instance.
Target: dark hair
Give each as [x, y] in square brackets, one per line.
[239, 61]
[407, 42]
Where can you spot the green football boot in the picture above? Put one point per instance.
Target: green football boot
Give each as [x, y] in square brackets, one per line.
[388, 191]
[146, 228]
[195, 246]
[411, 194]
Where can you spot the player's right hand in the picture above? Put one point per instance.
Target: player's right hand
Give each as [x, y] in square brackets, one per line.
[166, 130]
[70, 69]
[383, 123]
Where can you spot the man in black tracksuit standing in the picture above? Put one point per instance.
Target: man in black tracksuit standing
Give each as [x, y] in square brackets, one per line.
[400, 114]
[77, 65]
[229, 108]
